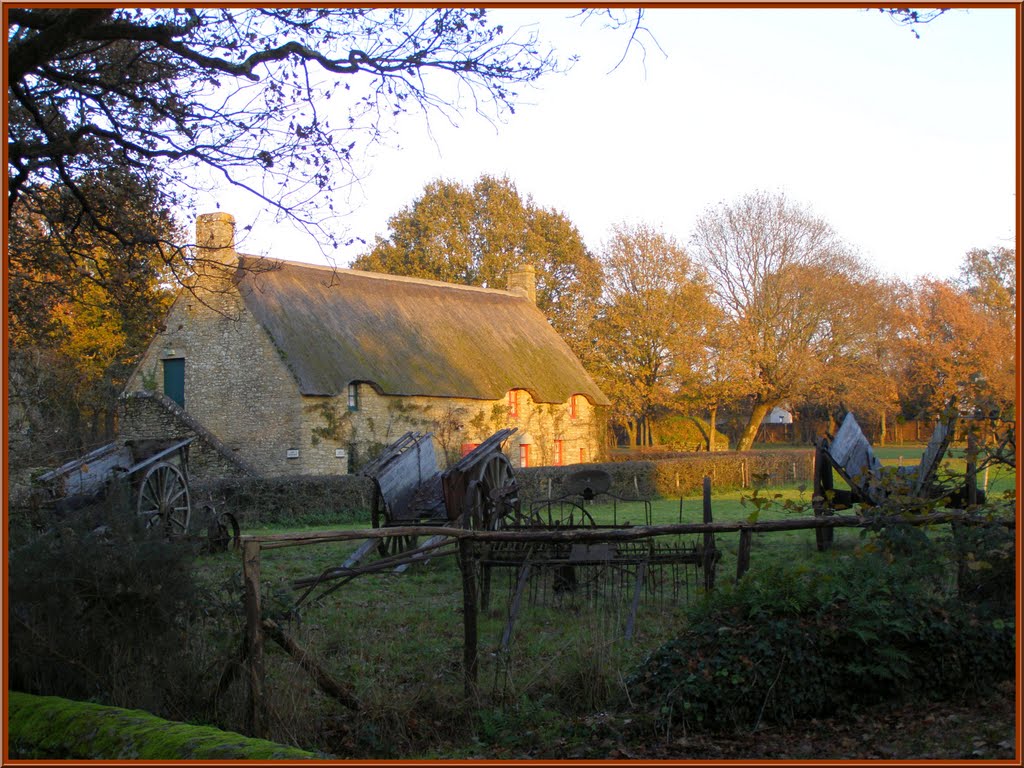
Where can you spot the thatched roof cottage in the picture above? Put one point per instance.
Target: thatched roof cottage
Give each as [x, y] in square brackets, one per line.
[301, 369]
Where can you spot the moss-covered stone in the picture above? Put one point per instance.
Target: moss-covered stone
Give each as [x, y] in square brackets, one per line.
[48, 727]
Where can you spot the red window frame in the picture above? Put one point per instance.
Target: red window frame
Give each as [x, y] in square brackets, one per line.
[574, 410]
[513, 403]
[559, 453]
[524, 455]
[467, 447]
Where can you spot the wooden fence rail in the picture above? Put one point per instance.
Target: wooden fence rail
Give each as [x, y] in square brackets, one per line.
[467, 539]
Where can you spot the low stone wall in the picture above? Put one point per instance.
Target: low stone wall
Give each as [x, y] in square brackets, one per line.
[151, 415]
[51, 728]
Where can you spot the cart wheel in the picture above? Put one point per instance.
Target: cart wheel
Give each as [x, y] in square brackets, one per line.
[223, 530]
[492, 502]
[396, 545]
[492, 494]
[389, 545]
[164, 499]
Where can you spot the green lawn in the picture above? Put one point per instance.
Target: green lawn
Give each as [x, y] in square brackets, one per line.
[398, 638]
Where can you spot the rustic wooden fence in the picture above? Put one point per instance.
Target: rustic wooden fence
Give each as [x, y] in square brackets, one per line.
[257, 628]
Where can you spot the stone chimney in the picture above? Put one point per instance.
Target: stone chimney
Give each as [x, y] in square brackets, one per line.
[524, 282]
[215, 236]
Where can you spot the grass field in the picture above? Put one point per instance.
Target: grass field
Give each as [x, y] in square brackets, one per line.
[397, 638]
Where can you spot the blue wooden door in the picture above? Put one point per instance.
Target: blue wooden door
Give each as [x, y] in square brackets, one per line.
[174, 380]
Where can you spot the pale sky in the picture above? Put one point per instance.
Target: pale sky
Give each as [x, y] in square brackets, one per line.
[906, 146]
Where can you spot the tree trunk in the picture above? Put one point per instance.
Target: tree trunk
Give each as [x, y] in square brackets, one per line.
[881, 440]
[746, 440]
[712, 418]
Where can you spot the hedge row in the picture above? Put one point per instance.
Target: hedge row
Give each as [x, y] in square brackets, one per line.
[301, 499]
[51, 728]
[346, 498]
[680, 475]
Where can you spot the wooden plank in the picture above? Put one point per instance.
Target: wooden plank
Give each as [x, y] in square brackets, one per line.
[401, 476]
[513, 611]
[362, 551]
[371, 468]
[709, 540]
[851, 454]
[743, 556]
[341, 693]
[938, 443]
[89, 473]
[155, 457]
[275, 541]
[469, 618]
[420, 555]
[820, 501]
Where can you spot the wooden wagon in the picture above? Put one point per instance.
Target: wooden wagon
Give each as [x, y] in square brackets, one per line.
[155, 473]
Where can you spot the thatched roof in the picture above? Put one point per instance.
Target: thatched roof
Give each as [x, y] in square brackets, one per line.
[408, 336]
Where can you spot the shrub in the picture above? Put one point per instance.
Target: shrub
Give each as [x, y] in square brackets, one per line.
[99, 609]
[790, 643]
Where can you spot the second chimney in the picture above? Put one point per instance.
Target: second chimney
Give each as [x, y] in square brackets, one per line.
[523, 281]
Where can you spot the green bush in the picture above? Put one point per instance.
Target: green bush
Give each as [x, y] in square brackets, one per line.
[789, 643]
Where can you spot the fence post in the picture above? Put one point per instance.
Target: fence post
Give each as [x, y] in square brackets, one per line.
[743, 556]
[256, 715]
[469, 623]
[819, 502]
[709, 540]
[972, 469]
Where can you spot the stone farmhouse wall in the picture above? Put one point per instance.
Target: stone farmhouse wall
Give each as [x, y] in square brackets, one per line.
[457, 424]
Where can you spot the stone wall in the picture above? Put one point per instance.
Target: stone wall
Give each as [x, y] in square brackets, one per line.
[455, 422]
[151, 416]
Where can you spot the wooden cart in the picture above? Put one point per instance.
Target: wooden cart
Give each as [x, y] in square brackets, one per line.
[155, 471]
[849, 455]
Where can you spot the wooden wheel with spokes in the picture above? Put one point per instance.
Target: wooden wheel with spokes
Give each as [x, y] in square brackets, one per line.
[164, 499]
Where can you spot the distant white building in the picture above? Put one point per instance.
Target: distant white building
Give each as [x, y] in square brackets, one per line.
[778, 415]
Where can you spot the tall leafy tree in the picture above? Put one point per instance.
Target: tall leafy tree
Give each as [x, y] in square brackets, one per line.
[478, 234]
[82, 304]
[989, 275]
[954, 347]
[721, 373]
[858, 364]
[651, 327]
[782, 276]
